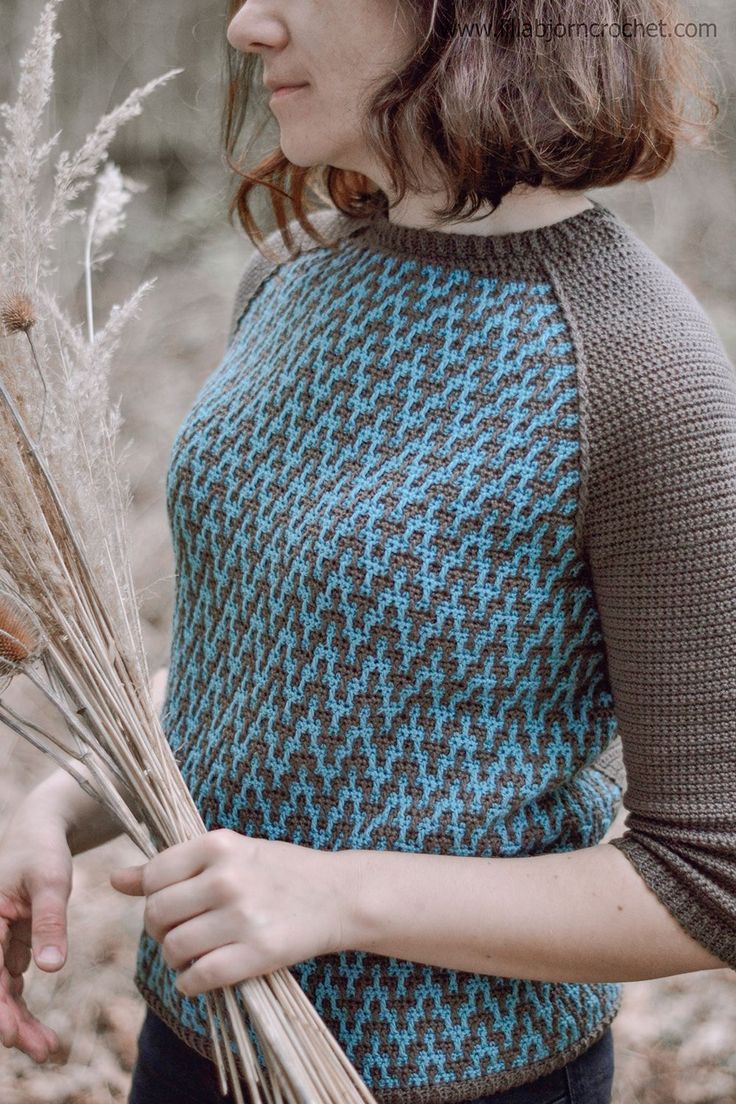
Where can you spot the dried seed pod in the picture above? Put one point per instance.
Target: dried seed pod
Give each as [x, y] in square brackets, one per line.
[17, 313]
[21, 639]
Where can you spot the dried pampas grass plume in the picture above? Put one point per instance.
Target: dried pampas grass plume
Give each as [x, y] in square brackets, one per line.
[17, 313]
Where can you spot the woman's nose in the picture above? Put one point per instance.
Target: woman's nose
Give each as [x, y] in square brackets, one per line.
[256, 25]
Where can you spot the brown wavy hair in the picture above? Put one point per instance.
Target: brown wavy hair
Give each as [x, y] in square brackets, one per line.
[494, 110]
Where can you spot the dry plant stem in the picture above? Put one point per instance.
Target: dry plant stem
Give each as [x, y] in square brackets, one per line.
[20, 546]
[88, 757]
[31, 727]
[25, 729]
[284, 983]
[106, 795]
[299, 1075]
[43, 381]
[232, 1068]
[53, 742]
[91, 723]
[222, 1079]
[47, 479]
[133, 632]
[330, 1073]
[292, 1012]
[88, 280]
[103, 688]
[71, 719]
[275, 1079]
[277, 1068]
[39, 466]
[300, 1045]
[117, 512]
[84, 590]
[268, 1022]
[121, 748]
[58, 673]
[242, 1040]
[273, 1075]
[215, 997]
[78, 559]
[133, 829]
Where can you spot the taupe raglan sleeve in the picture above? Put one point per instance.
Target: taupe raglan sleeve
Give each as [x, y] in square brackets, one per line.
[658, 403]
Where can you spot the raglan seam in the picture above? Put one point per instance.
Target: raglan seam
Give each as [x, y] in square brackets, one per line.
[610, 762]
[258, 269]
[583, 404]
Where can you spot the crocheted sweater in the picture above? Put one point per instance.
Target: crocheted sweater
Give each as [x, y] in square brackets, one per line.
[454, 521]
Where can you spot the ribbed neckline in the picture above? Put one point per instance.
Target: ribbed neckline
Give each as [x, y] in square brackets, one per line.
[489, 252]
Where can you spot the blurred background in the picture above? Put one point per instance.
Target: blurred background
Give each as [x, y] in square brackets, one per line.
[675, 1037]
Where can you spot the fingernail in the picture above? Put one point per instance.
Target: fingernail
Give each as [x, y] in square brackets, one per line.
[50, 956]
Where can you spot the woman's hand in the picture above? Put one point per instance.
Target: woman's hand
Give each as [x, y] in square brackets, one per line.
[241, 906]
[35, 884]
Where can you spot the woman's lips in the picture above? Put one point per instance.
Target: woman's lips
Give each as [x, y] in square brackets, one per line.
[287, 90]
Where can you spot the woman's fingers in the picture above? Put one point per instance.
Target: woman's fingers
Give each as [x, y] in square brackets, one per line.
[31, 1027]
[35, 884]
[8, 1021]
[48, 922]
[37, 1040]
[18, 948]
[18, 958]
[21, 1030]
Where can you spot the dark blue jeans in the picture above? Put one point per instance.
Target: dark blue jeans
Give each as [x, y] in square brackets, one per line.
[170, 1072]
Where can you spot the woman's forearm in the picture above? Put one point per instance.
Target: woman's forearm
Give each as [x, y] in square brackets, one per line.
[88, 822]
[577, 916]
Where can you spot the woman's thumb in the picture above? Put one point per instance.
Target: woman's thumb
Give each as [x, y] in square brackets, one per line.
[48, 928]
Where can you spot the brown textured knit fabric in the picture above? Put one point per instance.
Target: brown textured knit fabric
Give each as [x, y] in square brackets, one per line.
[658, 395]
[453, 517]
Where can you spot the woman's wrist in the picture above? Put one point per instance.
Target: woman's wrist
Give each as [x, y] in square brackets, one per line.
[158, 687]
[359, 915]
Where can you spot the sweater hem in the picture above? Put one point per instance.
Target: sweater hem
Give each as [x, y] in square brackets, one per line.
[454, 1092]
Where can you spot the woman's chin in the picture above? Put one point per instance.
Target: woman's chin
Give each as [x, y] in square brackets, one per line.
[301, 154]
[298, 156]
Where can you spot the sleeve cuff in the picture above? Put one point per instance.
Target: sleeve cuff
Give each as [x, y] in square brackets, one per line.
[611, 763]
[712, 930]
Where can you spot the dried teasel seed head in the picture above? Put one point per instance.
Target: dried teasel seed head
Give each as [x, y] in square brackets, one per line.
[21, 640]
[17, 313]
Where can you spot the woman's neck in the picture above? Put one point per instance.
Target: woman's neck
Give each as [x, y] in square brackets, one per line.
[523, 208]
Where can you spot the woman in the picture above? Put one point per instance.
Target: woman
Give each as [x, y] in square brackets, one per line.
[457, 508]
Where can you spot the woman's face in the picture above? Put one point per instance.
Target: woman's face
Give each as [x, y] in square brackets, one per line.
[335, 48]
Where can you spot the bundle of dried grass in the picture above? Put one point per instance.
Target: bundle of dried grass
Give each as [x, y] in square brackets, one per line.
[69, 619]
